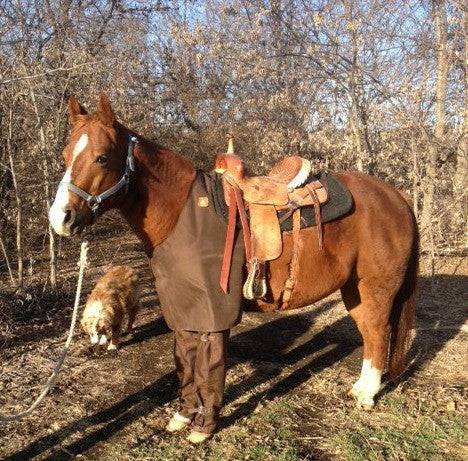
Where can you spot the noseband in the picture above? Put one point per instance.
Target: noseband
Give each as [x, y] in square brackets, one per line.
[94, 201]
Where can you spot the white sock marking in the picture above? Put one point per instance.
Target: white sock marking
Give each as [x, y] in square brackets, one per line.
[368, 383]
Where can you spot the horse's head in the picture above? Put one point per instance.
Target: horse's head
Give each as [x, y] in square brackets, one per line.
[98, 160]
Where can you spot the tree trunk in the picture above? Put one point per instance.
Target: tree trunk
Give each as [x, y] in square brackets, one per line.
[52, 252]
[45, 169]
[19, 240]
[440, 21]
[7, 260]
[461, 171]
[358, 113]
[416, 178]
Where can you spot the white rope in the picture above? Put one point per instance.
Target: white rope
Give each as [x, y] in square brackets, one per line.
[53, 377]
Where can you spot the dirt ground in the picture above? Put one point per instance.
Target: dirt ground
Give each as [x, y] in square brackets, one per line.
[286, 386]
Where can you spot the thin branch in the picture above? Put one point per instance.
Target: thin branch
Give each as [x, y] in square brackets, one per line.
[58, 69]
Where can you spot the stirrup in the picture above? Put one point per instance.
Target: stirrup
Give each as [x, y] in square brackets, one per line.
[255, 286]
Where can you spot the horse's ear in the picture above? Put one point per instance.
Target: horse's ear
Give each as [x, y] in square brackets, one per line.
[104, 111]
[75, 109]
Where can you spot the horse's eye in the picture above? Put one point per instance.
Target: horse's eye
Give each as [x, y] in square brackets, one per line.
[101, 159]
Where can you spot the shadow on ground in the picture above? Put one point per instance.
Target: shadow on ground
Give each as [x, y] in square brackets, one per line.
[148, 330]
[279, 341]
[440, 316]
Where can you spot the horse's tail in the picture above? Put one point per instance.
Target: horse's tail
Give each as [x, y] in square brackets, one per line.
[403, 314]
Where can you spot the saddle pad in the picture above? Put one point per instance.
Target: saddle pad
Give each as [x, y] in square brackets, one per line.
[339, 204]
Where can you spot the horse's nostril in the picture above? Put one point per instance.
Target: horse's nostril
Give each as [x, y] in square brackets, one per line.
[69, 216]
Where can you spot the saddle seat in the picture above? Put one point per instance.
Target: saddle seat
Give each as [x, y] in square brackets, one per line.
[275, 189]
[285, 188]
[292, 170]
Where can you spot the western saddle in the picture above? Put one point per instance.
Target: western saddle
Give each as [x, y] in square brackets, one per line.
[285, 190]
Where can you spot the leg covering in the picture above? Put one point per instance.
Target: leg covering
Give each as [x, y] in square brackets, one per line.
[201, 367]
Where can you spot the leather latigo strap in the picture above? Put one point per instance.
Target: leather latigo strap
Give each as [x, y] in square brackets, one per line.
[318, 218]
[294, 264]
[229, 244]
[297, 244]
[244, 223]
[235, 204]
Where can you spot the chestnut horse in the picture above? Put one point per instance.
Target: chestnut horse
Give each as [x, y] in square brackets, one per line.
[371, 254]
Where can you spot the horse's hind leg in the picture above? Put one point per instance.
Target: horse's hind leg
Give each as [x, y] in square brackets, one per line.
[371, 313]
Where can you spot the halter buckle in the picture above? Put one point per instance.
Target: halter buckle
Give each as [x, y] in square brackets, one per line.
[130, 158]
[93, 203]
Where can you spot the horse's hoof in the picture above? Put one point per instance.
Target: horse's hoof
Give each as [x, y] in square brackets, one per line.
[365, 404]
[196, 437]
[362, 401]
[177, 423]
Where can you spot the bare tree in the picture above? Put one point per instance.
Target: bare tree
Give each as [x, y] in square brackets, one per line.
[378, 86]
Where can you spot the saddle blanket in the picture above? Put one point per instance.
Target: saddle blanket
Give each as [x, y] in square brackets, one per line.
[339, 204]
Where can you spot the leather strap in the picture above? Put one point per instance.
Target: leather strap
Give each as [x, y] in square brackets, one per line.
[229, 244]
[294, 265]
[236, 204]
[244, 223]
[318, 217]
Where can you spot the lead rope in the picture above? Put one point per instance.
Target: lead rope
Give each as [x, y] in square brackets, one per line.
[51, 381]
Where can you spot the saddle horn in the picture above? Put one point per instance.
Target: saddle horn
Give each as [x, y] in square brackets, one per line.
[230, 149]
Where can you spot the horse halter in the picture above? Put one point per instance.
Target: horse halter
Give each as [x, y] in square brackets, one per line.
[94, 201]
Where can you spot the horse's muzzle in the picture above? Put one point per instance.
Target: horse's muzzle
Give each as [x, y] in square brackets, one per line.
[65, 222]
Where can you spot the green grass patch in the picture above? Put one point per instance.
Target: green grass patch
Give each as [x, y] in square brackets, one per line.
[421, 439]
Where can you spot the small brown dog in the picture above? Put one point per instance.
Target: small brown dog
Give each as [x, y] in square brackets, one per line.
[114, 296]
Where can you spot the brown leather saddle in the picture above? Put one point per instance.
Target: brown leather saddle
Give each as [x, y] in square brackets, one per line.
[285, 189]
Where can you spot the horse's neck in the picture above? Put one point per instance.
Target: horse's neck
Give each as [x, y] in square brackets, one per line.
[159, 191]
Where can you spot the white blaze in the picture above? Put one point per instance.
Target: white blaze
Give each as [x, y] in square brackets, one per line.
[80, 146]
[58, 208]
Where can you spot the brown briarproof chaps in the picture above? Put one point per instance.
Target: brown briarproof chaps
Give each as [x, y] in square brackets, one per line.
[200, 360]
